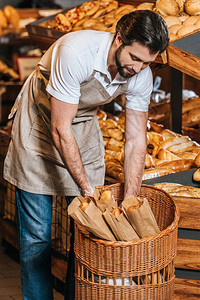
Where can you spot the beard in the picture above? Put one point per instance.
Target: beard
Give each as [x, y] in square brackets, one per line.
[123, 69]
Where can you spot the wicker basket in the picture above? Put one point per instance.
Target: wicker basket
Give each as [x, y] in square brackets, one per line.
[103, 268]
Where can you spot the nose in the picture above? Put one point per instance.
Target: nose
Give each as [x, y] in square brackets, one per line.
[138, 65]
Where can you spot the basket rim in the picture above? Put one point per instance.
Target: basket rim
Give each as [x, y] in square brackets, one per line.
[158, 235]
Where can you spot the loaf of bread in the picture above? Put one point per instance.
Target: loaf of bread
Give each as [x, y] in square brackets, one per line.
[196, 175]
[84, 205]
[12, 15]
[192, 7]
[106, 195]
[197, 160]
[176, 189]
[191, 103]
[116, 212]
[169, 7]
[167, 155]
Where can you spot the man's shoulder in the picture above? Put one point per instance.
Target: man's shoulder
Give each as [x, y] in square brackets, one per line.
[89, 39]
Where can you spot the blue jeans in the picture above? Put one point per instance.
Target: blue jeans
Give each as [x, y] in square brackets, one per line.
[34, 223]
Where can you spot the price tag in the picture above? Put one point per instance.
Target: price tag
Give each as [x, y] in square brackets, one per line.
[26, 65]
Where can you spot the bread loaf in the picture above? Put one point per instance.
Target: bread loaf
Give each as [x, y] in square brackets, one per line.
[192, 7]
[116, 212]
[106, 195]
[196, 175]
[167, 155]
[187, 155]
[191, 118]
[145, 5]
[84, 205]
[178, 165]
[172, 20]
[3, 19]
[191, 103]
[169, 7]
[185, 30]
[191, 20]
[197, 160]
[90, 7]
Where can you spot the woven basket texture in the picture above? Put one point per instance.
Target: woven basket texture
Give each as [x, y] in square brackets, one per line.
[148, 262]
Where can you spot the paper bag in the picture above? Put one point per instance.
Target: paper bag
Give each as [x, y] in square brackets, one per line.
[105, 202]
[91, 219]
[120, 226]
[140, 216]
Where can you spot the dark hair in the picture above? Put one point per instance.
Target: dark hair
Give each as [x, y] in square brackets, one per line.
[145, 27]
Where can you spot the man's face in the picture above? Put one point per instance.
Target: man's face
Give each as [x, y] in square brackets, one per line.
[130, 60]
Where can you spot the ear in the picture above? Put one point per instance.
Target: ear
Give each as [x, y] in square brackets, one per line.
[118, 39]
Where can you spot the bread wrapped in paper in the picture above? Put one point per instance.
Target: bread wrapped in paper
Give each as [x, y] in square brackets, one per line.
[90, 217]
[140, 216]
[119, 224]
[103, 198]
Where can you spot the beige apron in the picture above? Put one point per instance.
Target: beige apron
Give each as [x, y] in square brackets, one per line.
[32, 162]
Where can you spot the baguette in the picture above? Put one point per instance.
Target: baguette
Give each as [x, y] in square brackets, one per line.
[156, 127]
[192, 117]
[156, 172]
[90, 7]
[187, 155]
[191, 103]
[180, 147]
[167, 155]
[155, 138]
[178, 165]
[170, 142]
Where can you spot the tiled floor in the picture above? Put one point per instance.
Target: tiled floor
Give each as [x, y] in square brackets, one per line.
[10, 285]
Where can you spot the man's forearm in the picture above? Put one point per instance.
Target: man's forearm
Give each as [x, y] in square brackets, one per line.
[133, 168]
[70, 154]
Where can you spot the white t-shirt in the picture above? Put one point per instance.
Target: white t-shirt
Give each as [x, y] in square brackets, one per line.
[73, 58]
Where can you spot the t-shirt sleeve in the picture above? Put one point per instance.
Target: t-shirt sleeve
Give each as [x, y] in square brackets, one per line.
[139, 91]
[67, 73]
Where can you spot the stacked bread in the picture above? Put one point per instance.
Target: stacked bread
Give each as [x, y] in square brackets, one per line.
[179, 190]
[190, 112]
[182, 17]
[167, 152]
[9, 18]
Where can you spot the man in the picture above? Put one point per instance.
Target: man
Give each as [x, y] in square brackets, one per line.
[56, 146]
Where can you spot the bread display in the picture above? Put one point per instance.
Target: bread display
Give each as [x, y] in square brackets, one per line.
[160, 112]
[176, 189]
[167, 151]
[104, 15]
[9, 19]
